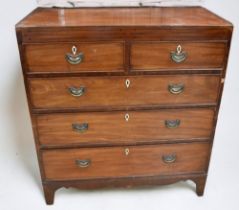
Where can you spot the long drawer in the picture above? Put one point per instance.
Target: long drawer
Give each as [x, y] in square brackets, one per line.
[90, 163]
[75, 57]
[91, 92]
[124, 127]
[148, 56]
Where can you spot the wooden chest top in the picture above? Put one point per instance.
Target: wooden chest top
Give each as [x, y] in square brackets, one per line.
[170, 23]
[149, 16]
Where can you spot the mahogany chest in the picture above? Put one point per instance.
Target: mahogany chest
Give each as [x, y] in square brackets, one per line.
[121, 97]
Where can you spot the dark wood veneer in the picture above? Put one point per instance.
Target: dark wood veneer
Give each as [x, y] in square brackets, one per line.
[122, 28]
[44, 35]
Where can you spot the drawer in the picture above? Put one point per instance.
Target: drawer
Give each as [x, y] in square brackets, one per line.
[149, 56]
[73, 164]
[98, 92]
[79, 57]
[102, 128]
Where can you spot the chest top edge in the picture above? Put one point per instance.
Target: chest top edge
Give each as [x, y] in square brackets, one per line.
[122, 16]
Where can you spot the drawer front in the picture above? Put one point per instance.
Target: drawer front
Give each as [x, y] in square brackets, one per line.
[159, 56]
[101, 128]
[92, 92]
[80, 57]
[73, 164]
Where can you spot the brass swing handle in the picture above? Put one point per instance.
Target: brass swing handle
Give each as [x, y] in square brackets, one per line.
[77, 92]
[176, 88]
[172, 123]
[179, 55]
[74, 58]
[83, 163]
[169, 158]
[81, 128]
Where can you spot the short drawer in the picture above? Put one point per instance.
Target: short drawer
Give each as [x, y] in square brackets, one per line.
[77, 57]
[98, 92]
[149, 56]
[103, 128]
[112, 162]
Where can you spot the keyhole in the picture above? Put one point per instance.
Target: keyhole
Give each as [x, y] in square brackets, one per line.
[126, 151]
[74, 50]
[126, 117]
[127, 83]
[179, 49]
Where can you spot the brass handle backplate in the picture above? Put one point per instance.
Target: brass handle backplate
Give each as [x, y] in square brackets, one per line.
[176, 88]
[74, 58]
[169, 158]
[83, 163]
[81, 128]
[172, 123]
[77, 92]
[179, 55]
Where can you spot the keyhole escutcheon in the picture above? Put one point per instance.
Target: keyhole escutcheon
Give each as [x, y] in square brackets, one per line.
[126, 151]
[126, 117]
[127, 83]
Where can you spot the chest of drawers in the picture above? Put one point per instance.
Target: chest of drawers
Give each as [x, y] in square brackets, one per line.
[121, 97]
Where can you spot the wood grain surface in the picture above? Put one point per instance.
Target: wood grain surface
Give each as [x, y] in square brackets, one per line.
[51, 57]
[112, 127]
[113, 162]
[158, 16]
[156, 55]
[112, 91]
